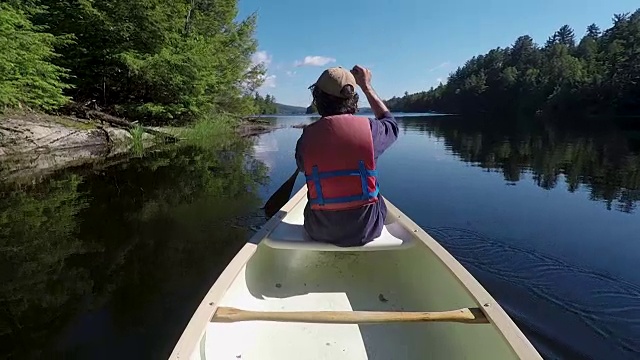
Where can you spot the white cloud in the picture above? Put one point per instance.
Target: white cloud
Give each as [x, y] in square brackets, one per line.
[266, 150]
[315, 61]
[269, 81]
[261, 57]
[264, 58]
[444, 65]
[291, 73]
[439, 80]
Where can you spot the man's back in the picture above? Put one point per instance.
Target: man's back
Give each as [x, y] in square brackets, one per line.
[357, 226]
[352, 147]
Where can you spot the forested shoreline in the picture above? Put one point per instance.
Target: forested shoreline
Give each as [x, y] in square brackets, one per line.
[156, 62]
[598, 75]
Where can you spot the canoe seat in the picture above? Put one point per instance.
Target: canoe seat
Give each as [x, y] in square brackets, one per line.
[290, 234]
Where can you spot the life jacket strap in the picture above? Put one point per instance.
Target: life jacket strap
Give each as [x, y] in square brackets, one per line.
[362, 172]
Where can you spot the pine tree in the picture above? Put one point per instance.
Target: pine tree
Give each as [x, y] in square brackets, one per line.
[593, 31]
[566, 36]
[27, 77]
[599, 75]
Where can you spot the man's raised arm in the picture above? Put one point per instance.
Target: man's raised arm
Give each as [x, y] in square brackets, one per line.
[363, 79]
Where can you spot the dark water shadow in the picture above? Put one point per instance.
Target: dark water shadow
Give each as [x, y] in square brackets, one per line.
[113, 258]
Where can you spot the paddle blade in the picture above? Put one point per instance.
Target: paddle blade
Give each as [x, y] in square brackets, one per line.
[280, 197]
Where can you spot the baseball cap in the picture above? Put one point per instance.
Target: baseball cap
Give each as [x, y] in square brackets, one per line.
[332, 81]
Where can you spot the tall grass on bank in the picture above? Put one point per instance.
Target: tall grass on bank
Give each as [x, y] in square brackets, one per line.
[214, 131]
[137, 143]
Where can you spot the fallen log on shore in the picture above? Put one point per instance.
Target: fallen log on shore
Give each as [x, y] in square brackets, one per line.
[126, 124]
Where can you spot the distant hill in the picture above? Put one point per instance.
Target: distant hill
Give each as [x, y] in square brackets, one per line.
[284, 109]
[290, 109]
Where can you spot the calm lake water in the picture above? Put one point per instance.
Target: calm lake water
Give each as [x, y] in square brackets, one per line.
[110, 260]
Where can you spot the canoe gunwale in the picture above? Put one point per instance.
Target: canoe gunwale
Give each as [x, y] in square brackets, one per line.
[492, 310]
[496, 315]
[197, 325]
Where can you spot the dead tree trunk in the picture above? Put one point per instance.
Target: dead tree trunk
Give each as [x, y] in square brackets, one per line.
[125, 124]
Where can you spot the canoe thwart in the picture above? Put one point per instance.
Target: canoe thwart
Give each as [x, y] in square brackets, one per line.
[464, 315]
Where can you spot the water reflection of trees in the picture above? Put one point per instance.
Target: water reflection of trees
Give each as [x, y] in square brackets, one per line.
[38, 236]
[121, 238]
[604, 161]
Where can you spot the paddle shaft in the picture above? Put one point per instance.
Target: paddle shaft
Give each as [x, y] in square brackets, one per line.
[280, 196]
[465, 315]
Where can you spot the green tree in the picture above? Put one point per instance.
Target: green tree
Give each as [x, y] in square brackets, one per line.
[599, 75]
[265, 105]
[523, 53]
[566, 36]
[593, 31]
[27, 76]
[150, 60]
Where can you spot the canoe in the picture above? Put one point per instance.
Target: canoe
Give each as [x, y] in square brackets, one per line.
[402, 296]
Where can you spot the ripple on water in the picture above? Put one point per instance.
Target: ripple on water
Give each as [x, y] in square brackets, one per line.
[608, 306]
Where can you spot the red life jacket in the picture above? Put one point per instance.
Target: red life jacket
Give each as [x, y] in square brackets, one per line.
[338, 158]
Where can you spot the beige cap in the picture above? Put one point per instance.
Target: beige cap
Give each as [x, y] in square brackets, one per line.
[334, 79]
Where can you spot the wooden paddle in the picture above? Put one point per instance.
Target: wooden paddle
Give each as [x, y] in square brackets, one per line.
[465, 315]
[280, 197]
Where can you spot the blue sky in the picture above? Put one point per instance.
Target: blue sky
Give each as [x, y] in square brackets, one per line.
[410, 45]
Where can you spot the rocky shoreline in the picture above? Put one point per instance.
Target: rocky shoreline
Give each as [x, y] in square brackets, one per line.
[33, 144]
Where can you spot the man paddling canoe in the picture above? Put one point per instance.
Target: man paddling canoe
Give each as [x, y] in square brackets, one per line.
[338, 155]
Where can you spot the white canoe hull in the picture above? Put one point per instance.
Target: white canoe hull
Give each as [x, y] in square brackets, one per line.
[421, 277]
